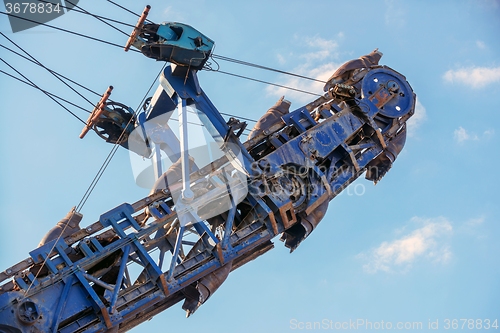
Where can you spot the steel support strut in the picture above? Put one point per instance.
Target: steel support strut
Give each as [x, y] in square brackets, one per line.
[186, 194]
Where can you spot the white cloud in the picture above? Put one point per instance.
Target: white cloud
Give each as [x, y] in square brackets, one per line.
[488, 134]
[475, 227]
[461, 135]
[281, 59]
[480, 44]
[475, 77]
[442, 256]
[319, 61]
[418, 118]
[323, 72]
[395, 15]
[173, 15]
[475, 221]
[429, 241]
[326, 48]
[489, 4]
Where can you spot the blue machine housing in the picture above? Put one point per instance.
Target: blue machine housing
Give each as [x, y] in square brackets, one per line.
[176, 43]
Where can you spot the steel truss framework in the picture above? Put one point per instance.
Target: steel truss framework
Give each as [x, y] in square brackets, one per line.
[139, 259]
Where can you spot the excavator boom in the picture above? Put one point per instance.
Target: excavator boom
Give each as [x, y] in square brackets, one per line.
[218, 205]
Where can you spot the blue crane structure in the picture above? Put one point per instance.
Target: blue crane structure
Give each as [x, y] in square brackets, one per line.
[216, 202]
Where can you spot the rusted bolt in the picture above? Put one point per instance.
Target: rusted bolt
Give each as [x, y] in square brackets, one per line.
[392, 86]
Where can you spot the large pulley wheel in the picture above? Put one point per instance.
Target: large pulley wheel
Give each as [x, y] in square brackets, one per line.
[113, 125]
[384, 82]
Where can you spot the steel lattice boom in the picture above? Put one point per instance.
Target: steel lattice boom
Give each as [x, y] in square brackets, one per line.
[215, 205]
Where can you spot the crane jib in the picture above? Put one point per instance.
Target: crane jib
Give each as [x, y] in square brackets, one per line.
[216, 201]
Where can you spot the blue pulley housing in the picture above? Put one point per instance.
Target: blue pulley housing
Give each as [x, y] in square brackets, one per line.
[174, 42]
[388, 91]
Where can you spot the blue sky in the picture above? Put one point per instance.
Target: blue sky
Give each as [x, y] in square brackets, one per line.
[422, 245]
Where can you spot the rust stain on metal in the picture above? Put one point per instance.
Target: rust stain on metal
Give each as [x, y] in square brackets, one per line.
[381, 97]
